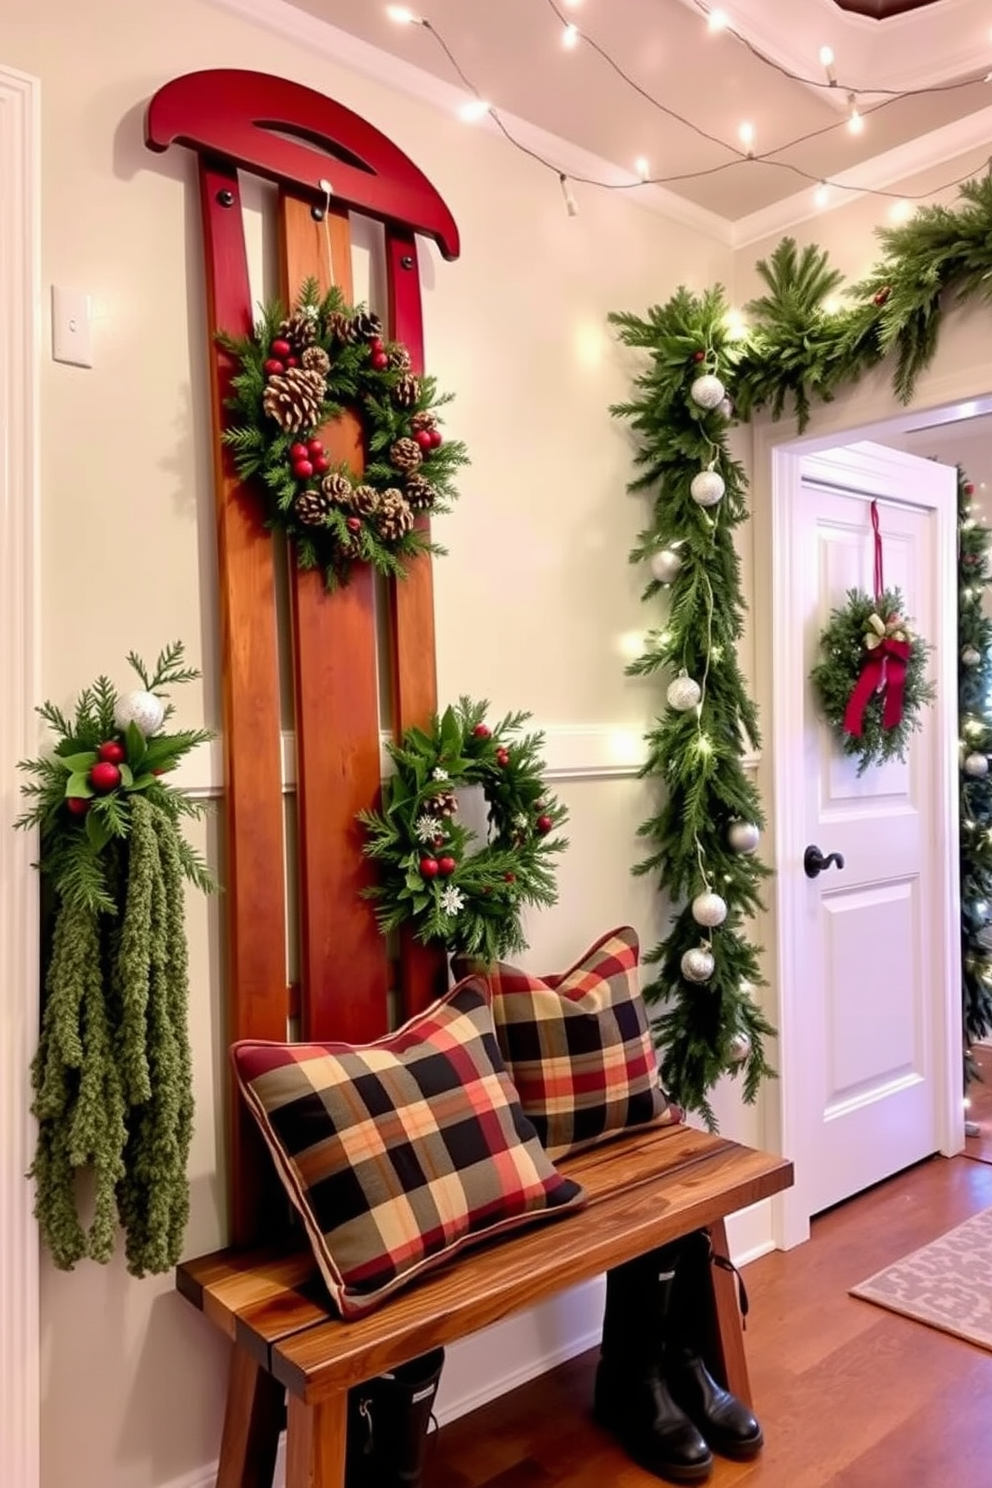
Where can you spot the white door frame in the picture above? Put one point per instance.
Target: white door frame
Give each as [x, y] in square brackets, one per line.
[777, 458]
[20, 320]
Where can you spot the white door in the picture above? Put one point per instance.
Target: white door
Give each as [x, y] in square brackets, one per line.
[870, 995]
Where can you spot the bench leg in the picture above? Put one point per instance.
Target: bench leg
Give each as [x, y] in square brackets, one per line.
[252, 1422]
[728, 1340]
[315, 1443]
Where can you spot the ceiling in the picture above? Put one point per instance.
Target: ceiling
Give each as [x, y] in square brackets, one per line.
[512, 53]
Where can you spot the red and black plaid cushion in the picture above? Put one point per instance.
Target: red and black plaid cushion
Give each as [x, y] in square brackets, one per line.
[399, 1153]
[578, 1046]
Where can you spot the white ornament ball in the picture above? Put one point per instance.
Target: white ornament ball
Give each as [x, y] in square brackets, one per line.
[665, 565]
[740, 1048]
[970, 656]
[698, 964]
[709, 909]
[725, 408]
[707, 391]
[684, 694]
[707, 488]
[743, 836]
[143, 709]
[976, 765]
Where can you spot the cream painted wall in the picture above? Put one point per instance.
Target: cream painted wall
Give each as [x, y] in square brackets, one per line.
[533, 604]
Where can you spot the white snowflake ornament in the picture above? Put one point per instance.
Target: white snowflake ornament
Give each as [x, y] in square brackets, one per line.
[428, 827]
[452, 900]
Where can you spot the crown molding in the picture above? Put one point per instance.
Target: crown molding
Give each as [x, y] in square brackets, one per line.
[973, 132]
[20, 299]
[320, 37]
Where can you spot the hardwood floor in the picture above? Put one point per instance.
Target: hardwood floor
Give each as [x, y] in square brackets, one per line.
[849, 1395]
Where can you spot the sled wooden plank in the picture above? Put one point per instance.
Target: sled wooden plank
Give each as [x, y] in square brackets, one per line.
[411, 608]
[253, 866]
[342, 954]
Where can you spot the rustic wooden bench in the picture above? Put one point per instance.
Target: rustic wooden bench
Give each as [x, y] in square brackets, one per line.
[345, 653]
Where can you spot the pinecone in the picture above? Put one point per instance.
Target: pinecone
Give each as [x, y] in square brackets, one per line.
[294, 399]
[337, 488]
[445, 803]
[407, 390]
[315, 359]
[339, 326]
[365, 326]
[405, 454]
[422, 421]
[310, 508]
[364, 500]
[399, 358]
[301, 328]
[393, 516]
[420, 494]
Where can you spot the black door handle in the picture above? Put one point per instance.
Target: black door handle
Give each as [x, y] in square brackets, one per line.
[814, 862]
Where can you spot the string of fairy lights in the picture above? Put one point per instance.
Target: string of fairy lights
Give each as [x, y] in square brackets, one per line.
[743, 151]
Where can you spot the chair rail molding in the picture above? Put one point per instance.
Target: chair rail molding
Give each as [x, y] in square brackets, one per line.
[20, 299]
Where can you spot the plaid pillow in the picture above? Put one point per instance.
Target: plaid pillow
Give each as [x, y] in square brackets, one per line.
[578, 1046]
[399, 1153]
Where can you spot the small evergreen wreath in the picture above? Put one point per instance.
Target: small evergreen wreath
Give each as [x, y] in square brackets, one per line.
[296, 374]
[434, 873]
[853, 647]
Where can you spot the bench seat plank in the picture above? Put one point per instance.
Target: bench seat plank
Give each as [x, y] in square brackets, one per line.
[644, 1190]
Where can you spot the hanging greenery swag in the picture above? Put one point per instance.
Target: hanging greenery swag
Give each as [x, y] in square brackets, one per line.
[434, 873]
[298, 372]
[796, 349]
[112, 1074]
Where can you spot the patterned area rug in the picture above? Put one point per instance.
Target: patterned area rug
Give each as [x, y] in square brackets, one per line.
[947, 1284]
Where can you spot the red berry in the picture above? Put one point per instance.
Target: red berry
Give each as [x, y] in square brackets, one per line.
[314, 447]
[159, 772]
[437, 438]
[446, 866]
[544, 825]
[272, 367]
[482, 731]
[699, 356]
[302, 469]
[375, 345]
[510, 877]
[105, 776]
[78, 805]
[423, 438]
[280, 348]
[321, 464]
[354, 524]
[380, 361]
[298, 451]
[969, 488]
[111, 752]
[429, 867]
[292, 362]
[502, 756]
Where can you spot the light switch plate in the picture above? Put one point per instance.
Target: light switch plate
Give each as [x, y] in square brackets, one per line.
[72, 338]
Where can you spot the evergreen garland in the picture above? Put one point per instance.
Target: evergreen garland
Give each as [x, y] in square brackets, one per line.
[112, 1075]
[705, 1027]
[843, 653]
[975, 723]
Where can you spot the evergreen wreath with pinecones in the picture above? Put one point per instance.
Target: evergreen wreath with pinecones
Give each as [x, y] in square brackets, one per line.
[112, 1074]
[434, 873]
[298, 372]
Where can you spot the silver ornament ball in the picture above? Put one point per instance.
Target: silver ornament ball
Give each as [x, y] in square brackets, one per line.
[698, 964]
[683, 694]
[970, 656]
[709, 909]
[665, 565]
[743, 836]
[976, 765]
[740, 1048]
[707, 391]
[707, 488]
[143, 709]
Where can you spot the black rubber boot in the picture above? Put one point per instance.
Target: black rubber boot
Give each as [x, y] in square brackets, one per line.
[632, 1398]
[388, 1419]
[726, 1422]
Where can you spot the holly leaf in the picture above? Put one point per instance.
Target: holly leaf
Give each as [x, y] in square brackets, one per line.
[414, 880]
[420, 902]
[451, 733]
[97, 830]
[78, 763]
[142, 782]
[78, 785]
[127, 775]
[136, 746]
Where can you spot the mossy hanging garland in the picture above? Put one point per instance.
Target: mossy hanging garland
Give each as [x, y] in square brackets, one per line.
[295, 374]
[871, 680]
[434, 873]
[112, 1074]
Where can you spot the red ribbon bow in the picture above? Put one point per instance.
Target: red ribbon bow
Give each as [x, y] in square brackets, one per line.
[884, 668]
